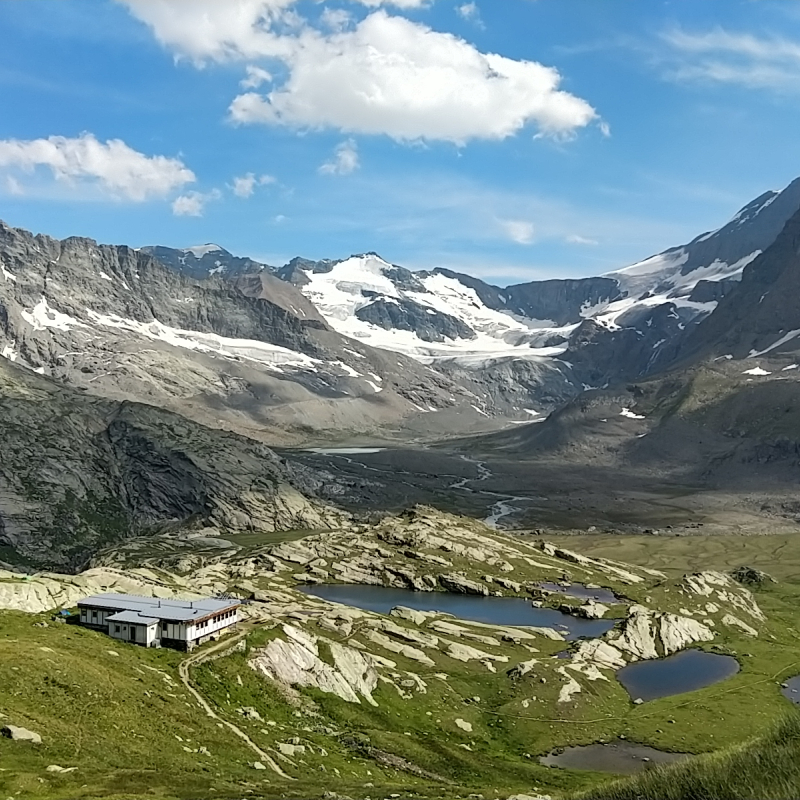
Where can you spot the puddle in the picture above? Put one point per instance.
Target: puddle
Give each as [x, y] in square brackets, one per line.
[792, 689]
[491, 610]
[581, 592]
[683, 672]
[619, 757]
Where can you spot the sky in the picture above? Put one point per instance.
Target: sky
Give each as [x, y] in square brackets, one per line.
[514, 140]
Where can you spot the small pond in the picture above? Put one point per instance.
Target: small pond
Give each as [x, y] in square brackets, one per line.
[581, 592]
[491, 610]
[683, 672]
[619, 757]
[791, 689]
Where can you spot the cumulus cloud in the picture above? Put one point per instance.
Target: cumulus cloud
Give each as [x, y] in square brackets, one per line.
[193, 204]
[385, 75]
[212, 30]
[345, 160]
[113, 166]
[245, 185]
[519, 231]
[393, 76]
[720, 56]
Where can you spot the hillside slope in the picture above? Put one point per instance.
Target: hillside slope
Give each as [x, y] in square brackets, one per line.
[78, 473]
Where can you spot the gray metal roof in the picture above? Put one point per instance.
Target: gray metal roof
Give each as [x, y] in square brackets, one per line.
[159, 607]
[133, 617]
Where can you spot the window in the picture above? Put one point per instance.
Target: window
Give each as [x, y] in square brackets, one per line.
[94, 615]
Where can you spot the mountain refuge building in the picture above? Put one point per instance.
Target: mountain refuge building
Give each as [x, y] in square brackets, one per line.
[156, 621]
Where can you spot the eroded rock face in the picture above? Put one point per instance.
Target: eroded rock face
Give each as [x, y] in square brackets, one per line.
[460, 584]
[295, 661]
[647, 634]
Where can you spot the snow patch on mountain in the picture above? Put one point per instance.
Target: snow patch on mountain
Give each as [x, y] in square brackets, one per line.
[360, 281]
[200, 250]
[270, 355]
[42, 317]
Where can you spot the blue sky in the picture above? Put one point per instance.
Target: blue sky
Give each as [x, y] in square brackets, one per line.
[512, 139]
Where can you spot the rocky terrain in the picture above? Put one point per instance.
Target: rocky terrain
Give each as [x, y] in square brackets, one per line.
[78, 472]
[309, 693]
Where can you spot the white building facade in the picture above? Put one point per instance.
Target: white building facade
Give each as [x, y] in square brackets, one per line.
[155, 622]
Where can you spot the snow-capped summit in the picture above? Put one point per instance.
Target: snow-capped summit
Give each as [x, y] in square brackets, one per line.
[424, 314]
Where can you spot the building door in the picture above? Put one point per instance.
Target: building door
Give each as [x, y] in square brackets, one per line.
[133, 633]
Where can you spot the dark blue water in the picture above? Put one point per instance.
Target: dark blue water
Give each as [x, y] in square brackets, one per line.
[491, 610]
[684, 672]
[792, 689]
[579, 591]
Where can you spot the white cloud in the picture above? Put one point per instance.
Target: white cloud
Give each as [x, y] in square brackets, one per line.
[719, 56]
[210, 29]
[470, 12]
[517, 230]
[575, 239]
[192, 204]
[337, 19]
[345, 160]
[255, 77]
[244, 185]
[387, 75]
[113, 166]
[396, 77]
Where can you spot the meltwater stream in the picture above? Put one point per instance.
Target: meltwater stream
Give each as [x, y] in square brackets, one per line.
[491, 610]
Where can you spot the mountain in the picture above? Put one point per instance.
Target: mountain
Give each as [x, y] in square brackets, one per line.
[80, 472]
[204, 261]
[542, 340]
[760, 317]
[250, 354]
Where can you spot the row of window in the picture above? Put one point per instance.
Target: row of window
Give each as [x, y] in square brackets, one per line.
[217, 619]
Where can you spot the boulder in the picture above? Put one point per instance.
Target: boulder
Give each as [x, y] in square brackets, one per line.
[20, 734]
[735, 622]
[751, 576]
[453, 582]
[411, 615]
[291, 750]
[462, 652]
[591, 609]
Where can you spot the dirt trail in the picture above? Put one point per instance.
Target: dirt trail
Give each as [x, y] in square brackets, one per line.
[203, 655]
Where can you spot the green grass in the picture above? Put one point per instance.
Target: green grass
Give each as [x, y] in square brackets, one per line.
[117, 718]
[767, 768]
